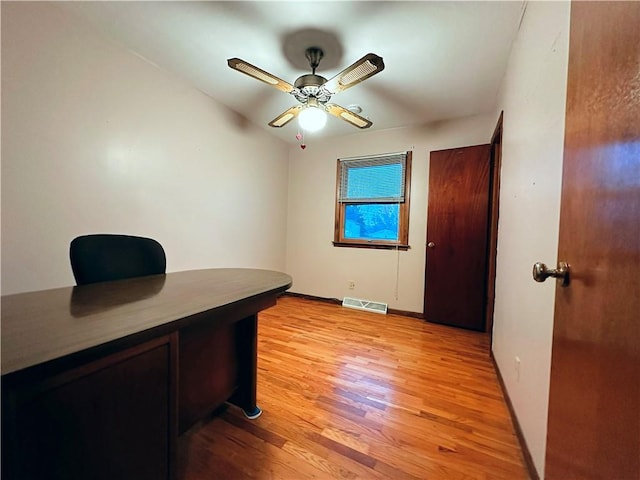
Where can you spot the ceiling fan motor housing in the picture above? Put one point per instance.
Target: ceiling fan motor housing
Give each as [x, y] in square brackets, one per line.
[309, 86]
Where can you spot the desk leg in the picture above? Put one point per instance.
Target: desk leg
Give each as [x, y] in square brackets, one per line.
[247, 355]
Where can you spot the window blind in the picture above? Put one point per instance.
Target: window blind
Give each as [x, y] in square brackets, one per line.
[373, 179]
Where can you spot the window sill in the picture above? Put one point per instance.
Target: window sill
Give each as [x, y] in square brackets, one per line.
[382, 246]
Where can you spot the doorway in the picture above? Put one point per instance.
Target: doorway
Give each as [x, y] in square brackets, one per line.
[484, 319]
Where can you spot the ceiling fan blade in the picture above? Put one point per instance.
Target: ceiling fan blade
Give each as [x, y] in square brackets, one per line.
[364, 68]
[348, 116]
[259, 74]
[285, 117]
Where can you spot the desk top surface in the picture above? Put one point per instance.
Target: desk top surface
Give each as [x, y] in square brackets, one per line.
[49, 324]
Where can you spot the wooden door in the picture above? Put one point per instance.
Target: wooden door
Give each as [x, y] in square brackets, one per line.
[457, 222]
[594, 399]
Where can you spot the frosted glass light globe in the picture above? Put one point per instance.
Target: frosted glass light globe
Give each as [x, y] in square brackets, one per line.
[312, 119]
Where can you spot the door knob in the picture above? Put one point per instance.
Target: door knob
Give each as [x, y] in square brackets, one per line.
[431, 245]
[541, 272]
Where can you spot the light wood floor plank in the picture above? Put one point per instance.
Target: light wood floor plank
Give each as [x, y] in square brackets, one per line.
[358, 395]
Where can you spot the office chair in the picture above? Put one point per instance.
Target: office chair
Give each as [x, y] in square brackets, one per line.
[106, 257]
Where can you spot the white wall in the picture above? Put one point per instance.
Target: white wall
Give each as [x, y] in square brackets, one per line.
[320, 269]
[533, 99]
[95, 139]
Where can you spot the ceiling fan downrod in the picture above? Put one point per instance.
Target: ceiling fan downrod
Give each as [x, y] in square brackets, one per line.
[308, 86]
[314, 55]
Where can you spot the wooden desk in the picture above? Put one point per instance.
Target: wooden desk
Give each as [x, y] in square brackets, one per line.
[99, 380]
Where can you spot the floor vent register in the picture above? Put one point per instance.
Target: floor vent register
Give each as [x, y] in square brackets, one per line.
[368, 305]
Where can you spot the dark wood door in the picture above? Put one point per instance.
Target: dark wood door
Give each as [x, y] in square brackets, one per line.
[457, 223]
[594, 400]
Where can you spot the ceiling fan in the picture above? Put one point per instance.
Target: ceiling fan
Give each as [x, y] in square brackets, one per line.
[314, 91]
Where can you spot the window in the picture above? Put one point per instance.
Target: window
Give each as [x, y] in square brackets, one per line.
[372, 201]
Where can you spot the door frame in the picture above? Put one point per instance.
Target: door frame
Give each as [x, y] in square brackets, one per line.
[495, 167]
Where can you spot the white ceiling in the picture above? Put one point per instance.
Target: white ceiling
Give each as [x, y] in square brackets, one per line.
[442, 59]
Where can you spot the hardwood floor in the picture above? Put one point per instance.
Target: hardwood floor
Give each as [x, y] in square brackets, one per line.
[359, 395]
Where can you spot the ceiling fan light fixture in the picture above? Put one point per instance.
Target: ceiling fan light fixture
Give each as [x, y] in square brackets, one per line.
[312, 119]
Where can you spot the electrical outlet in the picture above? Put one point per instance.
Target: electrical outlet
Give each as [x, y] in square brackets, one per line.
[517, 367]
[352, 284]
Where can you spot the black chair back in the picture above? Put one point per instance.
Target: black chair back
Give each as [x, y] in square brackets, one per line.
[106, 257]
